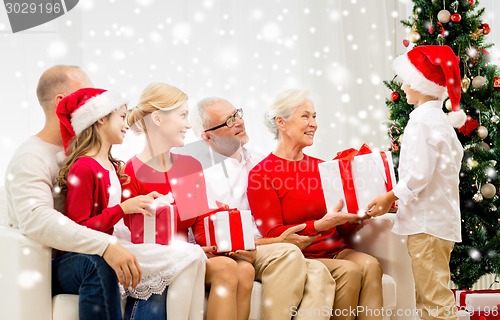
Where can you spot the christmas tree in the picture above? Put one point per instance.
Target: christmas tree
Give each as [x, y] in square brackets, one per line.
[458, 24]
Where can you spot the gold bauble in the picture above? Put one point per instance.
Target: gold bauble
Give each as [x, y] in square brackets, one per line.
[483, 145]
[465, 84]
[482, 132]
[488, 190]
[478, 82]
[471, 163]
[444, 16]
[448, 105]
[414, 36]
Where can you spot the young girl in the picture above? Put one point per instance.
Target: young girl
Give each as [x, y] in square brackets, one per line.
[91, 121]
[162, 115]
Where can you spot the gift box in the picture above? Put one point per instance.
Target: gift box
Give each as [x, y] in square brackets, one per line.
[160, 228]
[467, 315]
[478, 301]
[229, 230]
[357, 177]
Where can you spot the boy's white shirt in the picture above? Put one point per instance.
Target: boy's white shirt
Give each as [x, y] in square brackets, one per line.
[429, 167]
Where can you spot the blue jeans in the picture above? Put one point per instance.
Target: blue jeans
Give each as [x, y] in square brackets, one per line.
[93, 279]
[152, 309]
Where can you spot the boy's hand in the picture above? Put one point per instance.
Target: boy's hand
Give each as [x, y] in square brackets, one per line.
[381, 204]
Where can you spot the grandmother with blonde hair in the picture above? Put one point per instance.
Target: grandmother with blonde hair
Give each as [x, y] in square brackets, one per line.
[284, 190]
[162, 116]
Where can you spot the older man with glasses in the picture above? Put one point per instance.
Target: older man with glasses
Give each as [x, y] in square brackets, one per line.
[291, 284]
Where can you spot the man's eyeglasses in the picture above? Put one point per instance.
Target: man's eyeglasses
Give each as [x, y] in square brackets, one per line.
[230, 121]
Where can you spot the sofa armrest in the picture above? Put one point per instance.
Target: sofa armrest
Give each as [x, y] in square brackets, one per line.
[376, 239]
[25, 277]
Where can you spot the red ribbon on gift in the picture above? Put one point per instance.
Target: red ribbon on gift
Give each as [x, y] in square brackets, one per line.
[235, 228]
[345, 157]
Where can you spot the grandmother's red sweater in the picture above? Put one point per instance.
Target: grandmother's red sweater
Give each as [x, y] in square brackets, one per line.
[283, 194]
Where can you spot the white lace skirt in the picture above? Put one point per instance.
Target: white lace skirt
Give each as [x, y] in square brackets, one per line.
[160, 264]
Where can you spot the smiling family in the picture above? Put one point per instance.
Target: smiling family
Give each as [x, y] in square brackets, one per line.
[302, 258]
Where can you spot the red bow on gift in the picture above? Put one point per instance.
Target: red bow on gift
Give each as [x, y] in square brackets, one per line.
[345, 157]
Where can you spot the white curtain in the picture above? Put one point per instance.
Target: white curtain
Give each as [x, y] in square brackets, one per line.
[245, 51]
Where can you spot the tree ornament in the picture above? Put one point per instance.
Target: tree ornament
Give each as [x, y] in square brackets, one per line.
[496, 82]
[478, 197]
[406, 43]
[444, 16]
[471, 2]
[478, 82]
[469, 126]
[486, 28]
[456, 17]
[394, 143]
[448, 105]
[471, 163]
[465, 84]
[476, 34]
[414, 36]
[494, 119]
[395, 96]
[473, 55]
[488, 190]
[483, 145]
[430, 28]
[482, 132]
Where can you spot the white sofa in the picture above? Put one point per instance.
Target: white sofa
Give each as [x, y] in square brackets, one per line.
[25, 278]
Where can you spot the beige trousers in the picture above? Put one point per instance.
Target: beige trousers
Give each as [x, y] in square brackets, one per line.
[430, 263]
[287, 279]
[358, 293]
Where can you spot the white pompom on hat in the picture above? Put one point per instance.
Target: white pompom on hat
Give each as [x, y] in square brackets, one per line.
[82, 108]
[433, 70]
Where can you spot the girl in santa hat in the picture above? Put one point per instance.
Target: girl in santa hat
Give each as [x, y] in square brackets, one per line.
[162, 116]
[91, 121]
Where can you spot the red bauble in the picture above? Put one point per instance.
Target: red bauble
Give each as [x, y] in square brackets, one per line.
[456, 17]
[395, 96]
[471, 2]
[496, 82]
[406, 43]
[470, 125]
[486, 28]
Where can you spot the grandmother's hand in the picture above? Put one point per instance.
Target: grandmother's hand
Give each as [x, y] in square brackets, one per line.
[335, 218]
[290, 235]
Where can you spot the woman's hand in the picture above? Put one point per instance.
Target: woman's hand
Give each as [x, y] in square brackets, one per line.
[335, 218]
[140, 204]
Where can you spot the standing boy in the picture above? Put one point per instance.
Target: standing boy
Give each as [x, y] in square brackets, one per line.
[429, 166]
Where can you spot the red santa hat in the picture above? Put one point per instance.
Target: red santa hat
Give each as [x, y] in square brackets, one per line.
[433, 70]
[82, 108]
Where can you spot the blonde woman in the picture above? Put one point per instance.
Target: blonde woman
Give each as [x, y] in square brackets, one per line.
[162, 115]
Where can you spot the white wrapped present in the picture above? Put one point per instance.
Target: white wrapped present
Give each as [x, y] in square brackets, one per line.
[357, 177]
